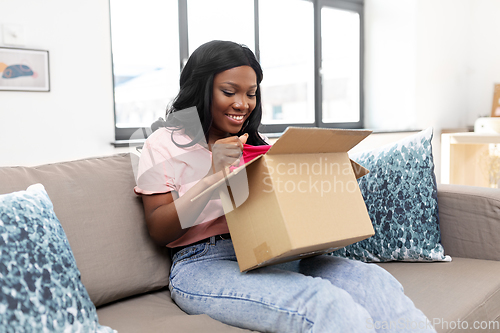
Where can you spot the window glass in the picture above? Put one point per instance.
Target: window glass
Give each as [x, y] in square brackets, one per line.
[145, 48]
[340, 42]
[231, 20]
[287, 58]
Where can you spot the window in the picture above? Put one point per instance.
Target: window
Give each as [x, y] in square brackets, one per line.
[228, 20]
[286, 43]
[311, 53]
[145, 49]
[340, 65]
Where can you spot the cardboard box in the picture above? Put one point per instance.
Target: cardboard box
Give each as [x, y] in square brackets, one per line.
[299, 199]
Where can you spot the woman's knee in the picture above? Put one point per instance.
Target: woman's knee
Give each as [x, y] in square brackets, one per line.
[330, 307]
[344, 273]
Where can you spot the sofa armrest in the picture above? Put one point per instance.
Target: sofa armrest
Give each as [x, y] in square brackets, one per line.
[469, 219]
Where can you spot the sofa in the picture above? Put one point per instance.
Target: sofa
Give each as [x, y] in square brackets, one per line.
[126, 274]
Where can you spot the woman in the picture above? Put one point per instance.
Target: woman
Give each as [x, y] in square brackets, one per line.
[180, 161]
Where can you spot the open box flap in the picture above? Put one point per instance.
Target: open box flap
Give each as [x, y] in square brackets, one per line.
[359, 170]
[301, 140]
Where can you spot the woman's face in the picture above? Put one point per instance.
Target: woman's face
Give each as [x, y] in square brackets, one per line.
[233, 99]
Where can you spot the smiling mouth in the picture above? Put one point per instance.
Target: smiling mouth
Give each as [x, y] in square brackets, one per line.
[235, 117]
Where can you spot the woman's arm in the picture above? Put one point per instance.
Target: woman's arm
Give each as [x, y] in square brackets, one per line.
[161, 212]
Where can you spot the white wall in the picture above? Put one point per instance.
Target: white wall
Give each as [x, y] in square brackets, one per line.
[430, 63]
[390, 64]
[443, 43]
[75, 119]
[484, 59]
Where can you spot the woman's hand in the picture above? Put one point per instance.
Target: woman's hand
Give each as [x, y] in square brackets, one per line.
[163, 215]
[227, 152]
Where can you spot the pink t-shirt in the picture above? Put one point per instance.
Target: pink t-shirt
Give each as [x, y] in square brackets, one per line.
[165, 167]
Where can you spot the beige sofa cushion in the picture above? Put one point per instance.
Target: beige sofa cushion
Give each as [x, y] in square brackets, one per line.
[103, 220]
[465, 289]
[156, 312]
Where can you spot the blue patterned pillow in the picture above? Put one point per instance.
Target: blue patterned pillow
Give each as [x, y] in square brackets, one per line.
[40, 283]
[400, 193]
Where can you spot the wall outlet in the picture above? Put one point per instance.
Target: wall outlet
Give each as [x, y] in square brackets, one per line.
[13, 34]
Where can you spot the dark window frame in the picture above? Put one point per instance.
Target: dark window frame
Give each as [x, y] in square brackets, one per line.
[123, 135]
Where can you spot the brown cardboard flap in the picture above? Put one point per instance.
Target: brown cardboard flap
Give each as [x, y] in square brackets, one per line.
[359, 170]
[297, 140]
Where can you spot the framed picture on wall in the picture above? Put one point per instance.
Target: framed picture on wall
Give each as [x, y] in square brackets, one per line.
[495, 110]
[24, 70]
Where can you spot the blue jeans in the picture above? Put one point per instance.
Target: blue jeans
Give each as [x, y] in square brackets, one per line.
[317, 294]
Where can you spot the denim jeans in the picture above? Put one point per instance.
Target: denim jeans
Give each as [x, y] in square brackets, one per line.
[318, 294]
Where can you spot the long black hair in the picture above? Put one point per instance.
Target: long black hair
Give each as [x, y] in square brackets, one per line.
[196, 87]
